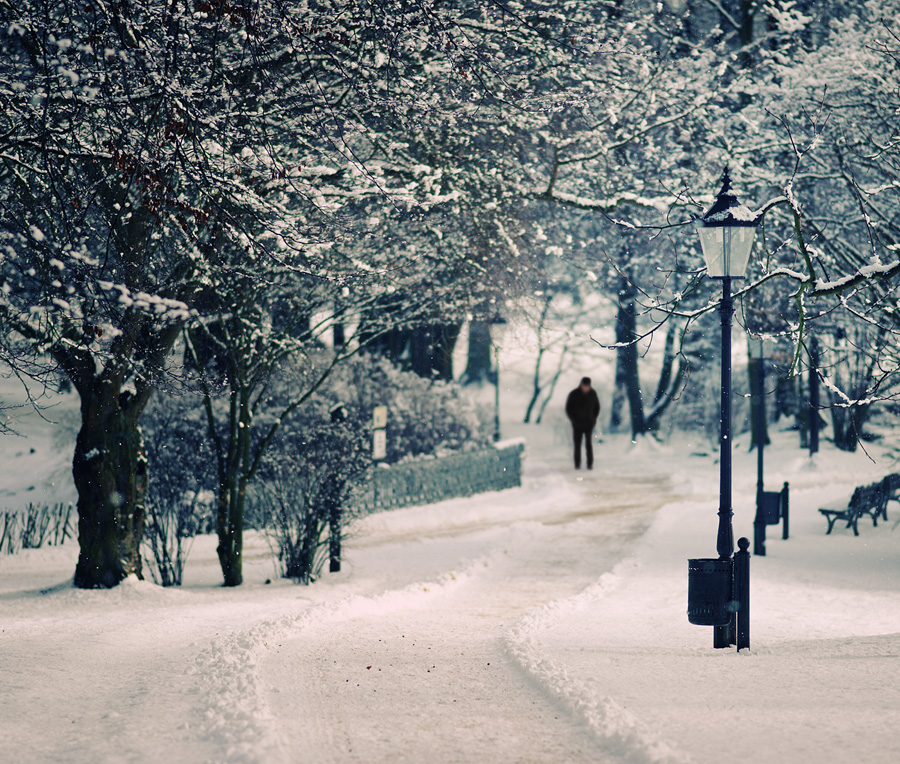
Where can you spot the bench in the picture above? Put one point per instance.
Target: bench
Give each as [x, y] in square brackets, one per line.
[891, 490]
[868, 500]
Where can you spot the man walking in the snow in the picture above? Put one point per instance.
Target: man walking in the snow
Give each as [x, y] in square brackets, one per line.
[583, 408]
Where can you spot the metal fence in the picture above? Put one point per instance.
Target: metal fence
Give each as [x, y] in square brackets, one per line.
[431, 480]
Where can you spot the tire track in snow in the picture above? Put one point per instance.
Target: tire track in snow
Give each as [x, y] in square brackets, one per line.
[621, 734]
[428, 682]
[270, 690]
[449, 689]
[238, 717]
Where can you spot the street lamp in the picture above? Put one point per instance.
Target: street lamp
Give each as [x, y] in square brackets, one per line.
[497, 328]
[758, 359]
[726, 233]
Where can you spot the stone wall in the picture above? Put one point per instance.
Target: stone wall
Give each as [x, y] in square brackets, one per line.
[428, 481]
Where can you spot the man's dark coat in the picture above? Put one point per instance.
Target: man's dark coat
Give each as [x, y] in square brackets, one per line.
[583, 408]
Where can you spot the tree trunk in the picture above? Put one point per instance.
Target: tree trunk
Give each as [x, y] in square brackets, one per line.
[628, 382]
[230, 530]
[550, 386]
[759, 431]
[232, 494]
[478, 360]
[814, 416]
[633, 391]
[535, 385]
[670, 380]
[847, 423]
[627, 376]
[617, 405]
[110, 473]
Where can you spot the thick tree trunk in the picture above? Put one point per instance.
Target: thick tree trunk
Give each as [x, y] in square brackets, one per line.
[110, 472]
[478, 360]
[633, 391]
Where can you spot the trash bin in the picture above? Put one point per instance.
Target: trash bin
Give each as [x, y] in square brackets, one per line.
[710, 591]
[771, 507]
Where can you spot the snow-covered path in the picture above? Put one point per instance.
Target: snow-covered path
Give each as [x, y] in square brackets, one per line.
[540, 624]
[428, 676]
[428, 598]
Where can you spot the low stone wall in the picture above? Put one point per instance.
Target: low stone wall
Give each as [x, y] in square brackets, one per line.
[431, 480]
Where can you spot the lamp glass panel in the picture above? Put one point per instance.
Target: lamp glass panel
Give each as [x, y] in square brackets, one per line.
[711, 241]
[739, 242]
[726, 250]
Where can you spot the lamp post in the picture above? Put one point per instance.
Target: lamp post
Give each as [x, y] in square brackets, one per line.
[757, 355]
[772, 507]
[497, 328]
[726, 234]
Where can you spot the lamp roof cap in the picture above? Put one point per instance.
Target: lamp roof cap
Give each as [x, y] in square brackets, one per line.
[728, 210]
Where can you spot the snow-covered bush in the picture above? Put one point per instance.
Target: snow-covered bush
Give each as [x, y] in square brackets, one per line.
[315, 472]
[425, 417]
[179, 496]
[306, 487]
[305, 493]
[36, 525]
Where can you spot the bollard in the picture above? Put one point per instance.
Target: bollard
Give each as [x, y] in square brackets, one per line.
[759, 533]
[742, 592]
[785, 513]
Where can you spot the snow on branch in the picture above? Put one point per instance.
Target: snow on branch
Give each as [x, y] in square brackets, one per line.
[610, 204]
[175, 310]
[867, 272]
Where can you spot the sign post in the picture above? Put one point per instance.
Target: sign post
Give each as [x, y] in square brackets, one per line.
[379, 433]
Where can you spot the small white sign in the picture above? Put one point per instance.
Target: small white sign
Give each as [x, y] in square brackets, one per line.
[379, 417]
[379, 444]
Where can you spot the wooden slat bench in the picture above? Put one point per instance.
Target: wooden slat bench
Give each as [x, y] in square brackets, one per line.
[868, 500]
[891, 490]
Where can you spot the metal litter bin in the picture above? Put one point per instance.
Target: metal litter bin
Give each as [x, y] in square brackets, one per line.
[710, 595]
[771, 507]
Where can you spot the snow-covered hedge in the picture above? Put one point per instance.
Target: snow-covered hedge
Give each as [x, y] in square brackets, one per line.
[426, 481]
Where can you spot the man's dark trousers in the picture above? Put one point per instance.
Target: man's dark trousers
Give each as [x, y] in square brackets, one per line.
[578, 434]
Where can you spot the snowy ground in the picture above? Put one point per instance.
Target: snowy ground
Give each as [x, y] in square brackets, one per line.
[540, 624]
